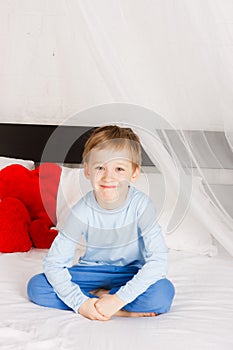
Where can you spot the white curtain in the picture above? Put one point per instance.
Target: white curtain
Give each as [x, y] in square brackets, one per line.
[171, 59]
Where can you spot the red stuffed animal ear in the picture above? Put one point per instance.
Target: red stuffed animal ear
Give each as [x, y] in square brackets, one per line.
[15, 221]
[48, 176]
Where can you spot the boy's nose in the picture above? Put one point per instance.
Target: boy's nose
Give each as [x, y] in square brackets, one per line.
[108, 174]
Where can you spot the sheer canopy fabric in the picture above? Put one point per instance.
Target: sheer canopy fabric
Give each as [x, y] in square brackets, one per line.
[162, 67]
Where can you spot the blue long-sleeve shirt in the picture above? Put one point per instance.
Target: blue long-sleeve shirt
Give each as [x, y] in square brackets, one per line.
[128, 235]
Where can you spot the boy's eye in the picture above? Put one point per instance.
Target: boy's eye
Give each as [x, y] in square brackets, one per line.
[120, 169]
[99, 168]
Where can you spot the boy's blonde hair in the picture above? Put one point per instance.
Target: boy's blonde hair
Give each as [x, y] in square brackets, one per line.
[114, 137]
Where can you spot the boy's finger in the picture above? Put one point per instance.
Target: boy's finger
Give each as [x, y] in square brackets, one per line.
[98, 314]
[99, 308]
[101, 317]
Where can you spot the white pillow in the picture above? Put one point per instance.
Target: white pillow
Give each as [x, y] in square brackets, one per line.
[72, 186]
[191, 234]
[5, 161]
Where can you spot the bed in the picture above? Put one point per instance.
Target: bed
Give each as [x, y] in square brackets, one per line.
[201, 316]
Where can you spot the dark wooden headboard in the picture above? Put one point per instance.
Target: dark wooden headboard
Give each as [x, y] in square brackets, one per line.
[28, 141]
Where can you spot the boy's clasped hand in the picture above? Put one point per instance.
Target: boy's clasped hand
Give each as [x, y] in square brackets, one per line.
[101, 308]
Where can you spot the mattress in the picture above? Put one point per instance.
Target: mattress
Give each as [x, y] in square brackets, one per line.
[201, 316]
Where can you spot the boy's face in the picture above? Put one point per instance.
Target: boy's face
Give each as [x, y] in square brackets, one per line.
[110, 172]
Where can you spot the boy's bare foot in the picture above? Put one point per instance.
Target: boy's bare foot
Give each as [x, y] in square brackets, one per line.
[99, 292]
[123, 313]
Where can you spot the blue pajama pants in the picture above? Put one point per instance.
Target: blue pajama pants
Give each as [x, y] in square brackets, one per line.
[157, 298]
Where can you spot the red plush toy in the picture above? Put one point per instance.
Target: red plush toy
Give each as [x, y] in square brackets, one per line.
[28, 201]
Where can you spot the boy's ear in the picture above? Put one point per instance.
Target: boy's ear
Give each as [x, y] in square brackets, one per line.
[86, 170]
[136, 174]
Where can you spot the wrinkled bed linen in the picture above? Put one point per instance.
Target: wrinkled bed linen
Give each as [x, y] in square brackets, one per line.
[201, 316]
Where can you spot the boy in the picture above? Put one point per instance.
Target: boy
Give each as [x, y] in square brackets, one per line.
[122, 272]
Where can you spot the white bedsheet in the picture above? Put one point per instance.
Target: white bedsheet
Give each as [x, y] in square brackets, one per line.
[201, 316]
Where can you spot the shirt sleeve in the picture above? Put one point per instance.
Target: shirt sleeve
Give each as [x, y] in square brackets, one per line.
[56, 263]
[155, 255]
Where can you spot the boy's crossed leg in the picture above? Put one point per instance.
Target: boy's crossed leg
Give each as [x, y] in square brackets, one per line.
[155, 300]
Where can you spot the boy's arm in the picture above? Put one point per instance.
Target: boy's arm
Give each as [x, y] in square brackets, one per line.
[155, 255]
[56, 263]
